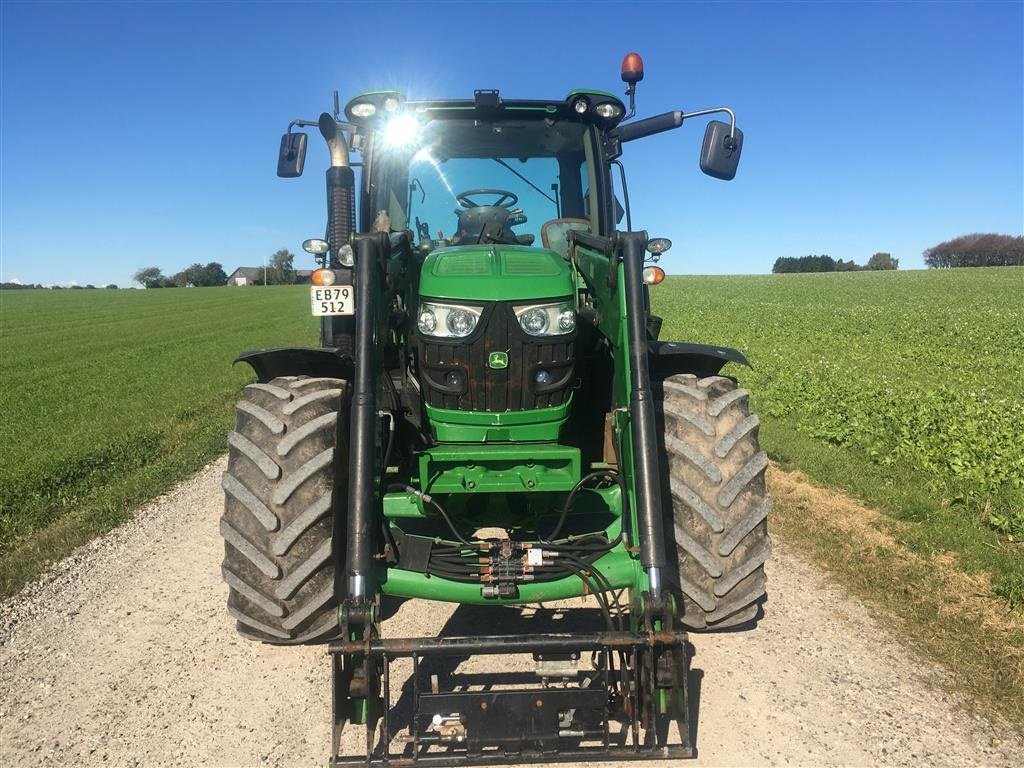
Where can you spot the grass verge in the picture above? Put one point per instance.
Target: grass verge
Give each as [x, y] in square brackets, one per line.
[938, 597]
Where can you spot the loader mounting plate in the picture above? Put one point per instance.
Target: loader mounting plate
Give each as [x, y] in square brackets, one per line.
[592, 697]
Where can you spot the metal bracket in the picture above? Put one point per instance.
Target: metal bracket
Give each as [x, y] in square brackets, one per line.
[494, 720]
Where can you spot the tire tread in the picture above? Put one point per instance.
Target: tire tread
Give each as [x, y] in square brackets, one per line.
[716, 503]
[286, 463]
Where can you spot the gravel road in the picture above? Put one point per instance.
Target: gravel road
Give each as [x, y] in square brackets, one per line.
[124, 655]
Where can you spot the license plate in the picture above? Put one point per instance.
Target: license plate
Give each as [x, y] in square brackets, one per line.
[335, 300]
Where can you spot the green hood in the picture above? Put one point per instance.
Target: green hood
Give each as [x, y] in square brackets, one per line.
[495, 273]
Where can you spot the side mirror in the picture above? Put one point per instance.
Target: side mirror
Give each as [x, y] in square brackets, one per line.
[720, 154]
[292, 155]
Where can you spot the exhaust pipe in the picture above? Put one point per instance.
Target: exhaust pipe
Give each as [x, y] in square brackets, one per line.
[335, 141]
[341, 180]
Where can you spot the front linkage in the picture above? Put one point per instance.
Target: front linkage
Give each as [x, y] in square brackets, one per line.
[523, 725]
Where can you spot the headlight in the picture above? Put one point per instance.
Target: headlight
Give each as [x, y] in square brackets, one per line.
[363, 109]
[427, 321]
[346, 255]
[460, 322]
[447, 321]
[609, 110]
[534, 321]
[546, 319]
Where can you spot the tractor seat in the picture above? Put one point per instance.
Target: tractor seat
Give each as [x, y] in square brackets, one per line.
[554, 234]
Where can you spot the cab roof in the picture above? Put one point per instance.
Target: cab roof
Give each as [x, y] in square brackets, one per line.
[580, 105]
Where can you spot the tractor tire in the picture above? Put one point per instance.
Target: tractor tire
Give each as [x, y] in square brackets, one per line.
[286, 467]
[715, 503]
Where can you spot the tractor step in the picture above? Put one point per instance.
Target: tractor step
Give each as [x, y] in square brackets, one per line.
[591, 697]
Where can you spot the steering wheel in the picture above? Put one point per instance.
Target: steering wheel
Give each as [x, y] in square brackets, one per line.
[505, 199]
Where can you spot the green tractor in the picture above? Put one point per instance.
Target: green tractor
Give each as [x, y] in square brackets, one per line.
[492, 420]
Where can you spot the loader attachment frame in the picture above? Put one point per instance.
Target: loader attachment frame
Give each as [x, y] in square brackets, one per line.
[498, 724]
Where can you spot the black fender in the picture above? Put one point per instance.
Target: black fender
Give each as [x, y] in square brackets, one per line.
[297, 361]
[667, 358]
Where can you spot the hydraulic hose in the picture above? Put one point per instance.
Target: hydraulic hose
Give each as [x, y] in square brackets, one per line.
[611, 474]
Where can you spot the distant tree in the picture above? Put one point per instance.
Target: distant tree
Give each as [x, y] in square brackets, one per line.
[821, 263]
[847, 266]
[977, 250]
[282, 268]
[214, 274]
[149, 277]
[110, 287]
[880, 261]
[784, 265]
[191, 275]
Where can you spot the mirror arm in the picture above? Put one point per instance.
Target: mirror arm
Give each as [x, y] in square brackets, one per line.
[301, 124]
[666, 122]
[715, 110]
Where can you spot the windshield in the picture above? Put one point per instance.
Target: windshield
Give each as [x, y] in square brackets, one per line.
[465, 180]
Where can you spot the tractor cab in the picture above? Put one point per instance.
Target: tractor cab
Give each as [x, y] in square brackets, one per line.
[487, 171]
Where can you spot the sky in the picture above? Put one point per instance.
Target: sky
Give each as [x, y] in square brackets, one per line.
[139, 134]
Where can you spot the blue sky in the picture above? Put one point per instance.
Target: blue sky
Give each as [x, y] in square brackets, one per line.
[146, 133]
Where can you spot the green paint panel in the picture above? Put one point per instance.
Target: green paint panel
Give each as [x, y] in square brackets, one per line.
[534, 425]
[499, 468]
[402, 504]
[620, 568]
[495, 273]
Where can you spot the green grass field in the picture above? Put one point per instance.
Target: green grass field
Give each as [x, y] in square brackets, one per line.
[905, 388]
[110, 397]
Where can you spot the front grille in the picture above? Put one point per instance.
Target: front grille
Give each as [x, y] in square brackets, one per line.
[482, 388]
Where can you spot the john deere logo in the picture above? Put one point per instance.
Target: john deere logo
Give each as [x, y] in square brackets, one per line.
[497, 360]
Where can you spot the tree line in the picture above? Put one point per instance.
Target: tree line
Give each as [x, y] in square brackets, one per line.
[195, 275]
[825, 263]
[28, 286]
[977, 250]
[280, 271]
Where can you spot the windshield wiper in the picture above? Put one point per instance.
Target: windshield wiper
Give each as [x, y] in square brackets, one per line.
[501, 162]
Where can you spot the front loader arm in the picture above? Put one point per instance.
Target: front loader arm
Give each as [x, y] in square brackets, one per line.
[614, 267]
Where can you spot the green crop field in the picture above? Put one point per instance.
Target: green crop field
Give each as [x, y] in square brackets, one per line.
[109, 397]
[905, 388]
